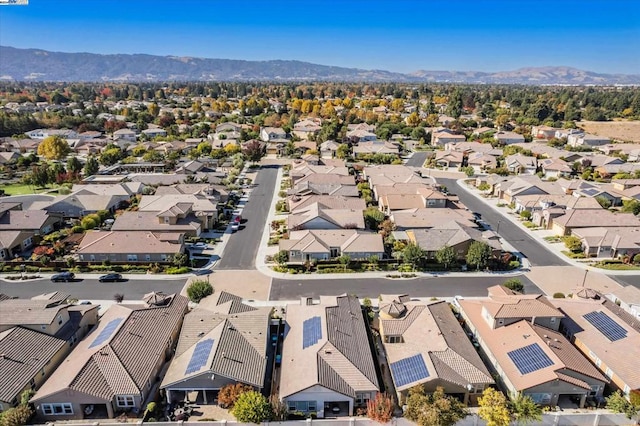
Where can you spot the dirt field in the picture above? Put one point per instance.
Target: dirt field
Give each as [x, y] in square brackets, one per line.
[626, 131]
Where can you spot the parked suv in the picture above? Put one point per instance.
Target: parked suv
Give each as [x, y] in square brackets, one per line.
[63, 276]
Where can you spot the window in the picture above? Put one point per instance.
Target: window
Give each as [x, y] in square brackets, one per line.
[626, 390]
[394, 339]
[362, 398]
[166, 219]
[125, 401]
[59, 319]
[163, 257]
[132, 257]
[553, 320]
[147, 257]
[304, 406]
[43, 327]
[61, 409]
[92, 257]
[609, 372]
[594, 390]
[32, 383]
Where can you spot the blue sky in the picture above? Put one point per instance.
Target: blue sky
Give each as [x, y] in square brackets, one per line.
[395, 35]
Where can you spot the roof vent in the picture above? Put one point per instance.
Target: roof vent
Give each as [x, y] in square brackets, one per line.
[327, 352]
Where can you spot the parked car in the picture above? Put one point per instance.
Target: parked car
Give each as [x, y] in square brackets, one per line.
[201, 246]
[114, 278]
[63, 276]
[235, 225]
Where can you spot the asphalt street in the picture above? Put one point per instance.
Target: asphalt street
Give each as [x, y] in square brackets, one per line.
[417, 159]
[530, 248]
[91, 289]
[242, 248]
[291, 289]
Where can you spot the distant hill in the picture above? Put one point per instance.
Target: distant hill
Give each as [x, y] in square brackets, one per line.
[42, 65]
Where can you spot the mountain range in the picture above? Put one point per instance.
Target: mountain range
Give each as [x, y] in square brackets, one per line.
[41, 65]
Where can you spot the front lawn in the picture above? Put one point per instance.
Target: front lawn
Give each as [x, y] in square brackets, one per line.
[24, 189]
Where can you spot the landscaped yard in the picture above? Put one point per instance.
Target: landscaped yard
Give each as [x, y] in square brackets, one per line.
[23, 189]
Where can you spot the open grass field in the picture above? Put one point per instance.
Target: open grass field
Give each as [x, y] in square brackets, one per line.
[626, 131]
[22, 189]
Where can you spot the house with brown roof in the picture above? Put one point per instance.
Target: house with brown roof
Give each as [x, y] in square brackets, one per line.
[115, 368]
[521, 164]
[525, 185]
[35, 336]
[508, 138]
[609, 242]
[426, 339]
[543, 132]
[321, 188]
[222, 341]
[297, 202]
[576, 219]
[27, 358]
[307, 127]
[130, 246]
[443, 136]
[481, 161]
[362, 149]
[459, 236]
[518, 336]
[22, 229]
[316, 216]
[448, 159]
[555, 168]
[180, 206]
[422, 198]
[428, 218]
[317, 244]
[327, 364]
[606, 334]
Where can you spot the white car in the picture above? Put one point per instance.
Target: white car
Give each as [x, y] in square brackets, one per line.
[235, 226]
[201, 246]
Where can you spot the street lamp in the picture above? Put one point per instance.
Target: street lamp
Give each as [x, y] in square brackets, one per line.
[584, 279]
[498, 228]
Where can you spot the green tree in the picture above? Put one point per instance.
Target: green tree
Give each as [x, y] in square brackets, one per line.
[91, 221]
[252, 407]
[180, 259]
[525, 214]
[604, 202]
[91, 167]
[478, 255]
[435, 409]
[282, 257]
[111, 155]
[524, 410]
[573, 243]
[344, 260]
[484, 186]
[468, 170]
[631, 206]
[373, 218]
[493, 408]
[54, 148]
[17, 416]
[40, 175]
[74, 165]
[514, 284]
[198, 290]
[343, 151]
[413, 254]
[617, 403]
[446, 255]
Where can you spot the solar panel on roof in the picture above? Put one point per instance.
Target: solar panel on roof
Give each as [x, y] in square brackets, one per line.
[311, 331]
[409, 370]
[200, 356]
[590, 192]
[530, 358]
[106, 332]
[605, 325]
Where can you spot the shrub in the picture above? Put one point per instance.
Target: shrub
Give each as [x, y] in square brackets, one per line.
[514, 264]
[514, 284]
[558, 295]
[17, 416]
[380, 409]
[525, 214]
[252, 407]
[177, 271]
[528, 224]
[230, 393]
[573, 243]
[198, 290]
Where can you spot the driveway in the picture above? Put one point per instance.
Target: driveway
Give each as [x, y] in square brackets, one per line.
[242, 248]
[291, 289]
[535, 252]
[417, 159]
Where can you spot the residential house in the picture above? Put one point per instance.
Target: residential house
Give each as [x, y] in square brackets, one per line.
[270, 134]
[543, 132]
[521, 164]
[35, 336]
[116, 367]
[83, 201]
[518, 335]
[443, 136]
[22, 229]
[606, 334]
[565, 133]
[508, 138]
[421, 218]
[628, 298]
[323, 371]
[575, 219]
[525, 185]
[481, 162]
[298, 202]
[41, 134]
[307, 127]
[608, 170]
[316, 216]
[424, 344]
[423, 198]
[555, 168]
[308, 245]
[585, 139]
[320, 188]
[609, 242]
[459, 236]
[363, 149]
[9, 157]
[447, 159]
[180, 206]
[177, 219]
[223, 341]
[130, 246]
[328, 149]
[217, 192]
[473, 147]
[400, 188]
[542, 150]
[154, 132]
[537, 204]
[600, 191]
[124, 136]
[483, 131]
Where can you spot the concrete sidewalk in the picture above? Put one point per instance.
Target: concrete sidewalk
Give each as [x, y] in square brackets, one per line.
[539, 235]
